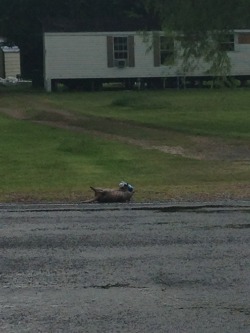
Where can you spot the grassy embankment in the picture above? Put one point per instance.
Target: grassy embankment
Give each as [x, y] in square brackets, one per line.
[45, 163]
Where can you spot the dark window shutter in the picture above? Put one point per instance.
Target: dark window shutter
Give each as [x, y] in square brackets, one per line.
[110, 52]
[156, 46]
[131, 51]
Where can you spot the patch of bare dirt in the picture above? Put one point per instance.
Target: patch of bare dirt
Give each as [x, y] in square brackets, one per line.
[17, 114]
[203, 148]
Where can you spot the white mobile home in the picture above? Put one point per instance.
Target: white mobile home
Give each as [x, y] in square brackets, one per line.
[93, 58]
[9, 61]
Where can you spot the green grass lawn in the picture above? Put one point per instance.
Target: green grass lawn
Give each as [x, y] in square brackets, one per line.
[44, 163]
[223, 113]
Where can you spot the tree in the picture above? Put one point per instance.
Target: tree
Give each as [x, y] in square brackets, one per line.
[201, 27]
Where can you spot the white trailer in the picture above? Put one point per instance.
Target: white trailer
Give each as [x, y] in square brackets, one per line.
[92, 58]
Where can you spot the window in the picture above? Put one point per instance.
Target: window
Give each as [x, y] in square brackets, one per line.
[120, 48]
[227, 43]
[244, 38]
[120, 51]
[166, 50]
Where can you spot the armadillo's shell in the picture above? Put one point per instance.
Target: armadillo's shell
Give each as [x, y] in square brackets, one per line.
[110, 195]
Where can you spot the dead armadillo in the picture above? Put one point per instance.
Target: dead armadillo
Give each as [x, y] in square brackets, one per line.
[123, 194]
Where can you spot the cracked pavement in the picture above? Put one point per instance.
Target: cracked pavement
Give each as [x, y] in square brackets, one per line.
[166, 267]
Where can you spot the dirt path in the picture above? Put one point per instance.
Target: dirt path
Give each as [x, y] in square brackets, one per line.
[201, 148]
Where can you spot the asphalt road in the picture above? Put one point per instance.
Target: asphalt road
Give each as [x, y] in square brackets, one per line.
[150, 268]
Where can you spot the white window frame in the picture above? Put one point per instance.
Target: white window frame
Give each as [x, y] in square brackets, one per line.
[166, 51]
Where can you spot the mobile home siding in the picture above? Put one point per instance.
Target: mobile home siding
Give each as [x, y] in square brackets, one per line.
[75, 56]
[89, 55]
[86, 55]
[240, 58]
